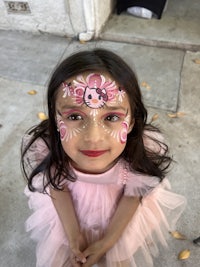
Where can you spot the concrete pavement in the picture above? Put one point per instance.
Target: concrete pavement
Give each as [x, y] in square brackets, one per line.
[170, 80]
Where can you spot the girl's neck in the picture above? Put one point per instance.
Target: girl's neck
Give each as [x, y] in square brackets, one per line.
[89, 172]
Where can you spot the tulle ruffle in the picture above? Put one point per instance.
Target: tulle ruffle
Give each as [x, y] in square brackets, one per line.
[148, 229]
[95, 199]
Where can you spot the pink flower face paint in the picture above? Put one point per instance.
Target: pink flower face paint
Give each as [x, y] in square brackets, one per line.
[94, 91]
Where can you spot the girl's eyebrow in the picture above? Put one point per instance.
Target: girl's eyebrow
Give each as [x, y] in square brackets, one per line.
[81, 107]
[115, 108]
[71, 107]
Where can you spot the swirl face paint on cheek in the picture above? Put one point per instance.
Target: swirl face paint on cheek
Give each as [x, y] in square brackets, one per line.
[66, 133]
[62, 129]
[123, 132]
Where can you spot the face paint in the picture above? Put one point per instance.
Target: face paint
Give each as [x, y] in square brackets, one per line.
[121, 134]
[66, 133]
[124, 132]
[94, 91]
[62, 129]
[97, 94]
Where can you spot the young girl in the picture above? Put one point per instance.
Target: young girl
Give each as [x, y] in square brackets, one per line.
[95, 170]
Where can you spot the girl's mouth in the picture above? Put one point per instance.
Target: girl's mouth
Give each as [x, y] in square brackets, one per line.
[93, 153]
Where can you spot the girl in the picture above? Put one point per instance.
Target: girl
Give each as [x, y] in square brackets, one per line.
[95, 170]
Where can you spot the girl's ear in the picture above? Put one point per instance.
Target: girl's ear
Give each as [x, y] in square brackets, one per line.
[131, 125]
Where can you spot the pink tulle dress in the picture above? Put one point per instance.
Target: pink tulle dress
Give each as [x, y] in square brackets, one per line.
[95, 199]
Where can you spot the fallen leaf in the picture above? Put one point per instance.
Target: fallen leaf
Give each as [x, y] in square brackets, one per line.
[154, 117]
[32, 92]
[42, 116]
[146, 85]
[184, 254]
[176, 115]
[172, 115]
[178, 235]
[82, 42]
[196, 61]
[180, 114]
[143, 84]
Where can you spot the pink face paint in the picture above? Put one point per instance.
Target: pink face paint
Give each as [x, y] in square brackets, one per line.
[66, 133]
[67, 89]
[73, 111]
[94, 91]
[62, 129]
[123, 132]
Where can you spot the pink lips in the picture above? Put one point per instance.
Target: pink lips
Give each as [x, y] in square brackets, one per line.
[93, 153]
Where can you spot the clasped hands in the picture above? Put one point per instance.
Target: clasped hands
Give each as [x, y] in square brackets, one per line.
[83, 255]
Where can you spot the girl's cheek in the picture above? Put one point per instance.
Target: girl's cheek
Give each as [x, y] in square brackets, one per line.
[123, 132]
[63, 130]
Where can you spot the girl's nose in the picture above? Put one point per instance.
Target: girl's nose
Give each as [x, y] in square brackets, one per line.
[94, 132]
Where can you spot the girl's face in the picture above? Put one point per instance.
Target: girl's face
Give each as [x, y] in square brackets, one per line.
[93, 118]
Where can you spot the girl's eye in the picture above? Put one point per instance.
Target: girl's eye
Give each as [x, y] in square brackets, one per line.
[75, 117]
[112, 118]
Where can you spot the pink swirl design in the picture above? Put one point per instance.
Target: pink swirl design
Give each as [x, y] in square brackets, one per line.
[124, 132]
[62, 129]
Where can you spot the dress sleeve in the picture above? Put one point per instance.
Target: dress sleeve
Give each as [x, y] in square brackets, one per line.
[140, 184]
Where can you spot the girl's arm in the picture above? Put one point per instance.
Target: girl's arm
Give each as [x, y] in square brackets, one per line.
[123, 214]
[64, 206]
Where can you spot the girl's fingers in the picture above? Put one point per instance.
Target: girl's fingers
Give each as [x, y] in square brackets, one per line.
[75, 263]
[79, 257]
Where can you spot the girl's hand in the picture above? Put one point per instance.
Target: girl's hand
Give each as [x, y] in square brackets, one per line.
[77, 245]
[94, 253]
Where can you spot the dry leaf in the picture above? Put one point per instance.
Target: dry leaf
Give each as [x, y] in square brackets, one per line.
[196, 61]
[178, 235]
[154, 117]
[180, 114]
[143, 84]
[32, 92]
[146, 85]
[176, 115]
[184, 254]
[172, 115]
[82, 42]
[42, 116]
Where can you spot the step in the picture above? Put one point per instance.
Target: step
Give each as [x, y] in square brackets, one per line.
[178, 28]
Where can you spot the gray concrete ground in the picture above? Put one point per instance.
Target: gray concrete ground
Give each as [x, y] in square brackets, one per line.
[170, 81]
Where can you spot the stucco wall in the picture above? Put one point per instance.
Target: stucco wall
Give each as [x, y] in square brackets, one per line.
[49, 16]
[59, 17]
[102, 12]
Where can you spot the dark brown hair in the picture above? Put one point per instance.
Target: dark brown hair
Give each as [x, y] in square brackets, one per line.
[55, 166]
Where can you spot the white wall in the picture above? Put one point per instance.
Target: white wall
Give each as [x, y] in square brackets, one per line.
[60, 17]
[102, 12]
[50, 16]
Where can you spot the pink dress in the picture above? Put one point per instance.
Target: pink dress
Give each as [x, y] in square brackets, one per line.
[95, 199]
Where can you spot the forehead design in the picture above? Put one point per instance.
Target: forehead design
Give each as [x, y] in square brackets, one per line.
[94, 91]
